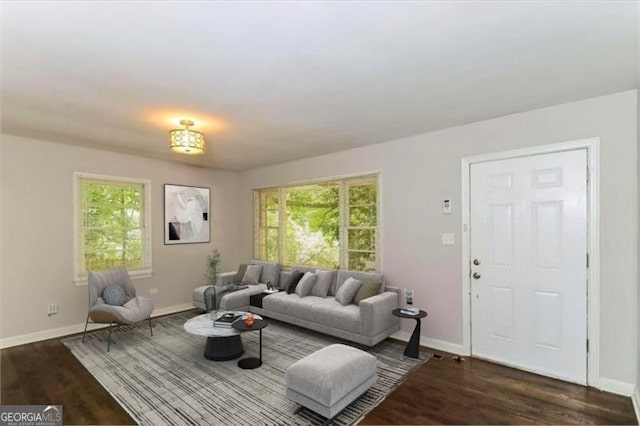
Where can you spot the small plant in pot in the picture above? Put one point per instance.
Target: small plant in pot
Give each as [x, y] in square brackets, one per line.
[213, 265]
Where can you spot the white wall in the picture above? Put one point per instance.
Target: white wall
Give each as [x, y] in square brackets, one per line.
[420, 171]
[37, 231]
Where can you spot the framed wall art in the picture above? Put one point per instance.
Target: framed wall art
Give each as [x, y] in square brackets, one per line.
[187, 215]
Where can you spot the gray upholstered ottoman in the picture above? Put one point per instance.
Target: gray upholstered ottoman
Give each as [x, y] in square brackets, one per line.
[330, 379]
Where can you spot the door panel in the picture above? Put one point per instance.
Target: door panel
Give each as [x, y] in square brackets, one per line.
[529, 232]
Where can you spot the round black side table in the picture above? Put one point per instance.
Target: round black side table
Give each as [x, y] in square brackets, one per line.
[252, 362]
[413, 347]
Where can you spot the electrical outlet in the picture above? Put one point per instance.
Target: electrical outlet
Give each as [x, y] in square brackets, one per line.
[153, 290]
[52, 309]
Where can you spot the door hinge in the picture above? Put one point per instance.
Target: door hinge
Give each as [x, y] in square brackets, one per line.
[587, 345]
[587, 260]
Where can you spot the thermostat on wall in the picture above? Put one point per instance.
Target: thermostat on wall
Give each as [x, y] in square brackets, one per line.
[446, 206]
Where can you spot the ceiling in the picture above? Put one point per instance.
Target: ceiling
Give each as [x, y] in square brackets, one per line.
[269, 82]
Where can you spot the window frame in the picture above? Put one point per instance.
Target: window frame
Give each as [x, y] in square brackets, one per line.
[344, 184]
[81, 280]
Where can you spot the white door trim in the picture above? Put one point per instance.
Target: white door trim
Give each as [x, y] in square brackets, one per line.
[592, 145]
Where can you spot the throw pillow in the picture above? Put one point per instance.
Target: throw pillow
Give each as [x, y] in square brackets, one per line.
[305, 284]
[348, 290]
[242, 269]
[294, 279]
[252, 276]
[323, 283]
[368, 289]
[114, 294]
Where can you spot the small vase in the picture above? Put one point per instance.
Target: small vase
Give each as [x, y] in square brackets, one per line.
[249, 320]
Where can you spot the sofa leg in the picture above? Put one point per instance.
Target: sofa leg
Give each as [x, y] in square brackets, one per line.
[85, 328]
[150, 327]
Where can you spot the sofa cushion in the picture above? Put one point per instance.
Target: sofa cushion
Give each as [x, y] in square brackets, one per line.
[252, 276]
[368, 289]
[305, 284]
[270, 271]
[293, 281]
[360, 276]
[329, 312]
[290, 304]
[323, 283]
[242, 269]
[348, 290]
[237, 300]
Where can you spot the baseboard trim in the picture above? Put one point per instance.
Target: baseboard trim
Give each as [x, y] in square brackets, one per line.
[428, 342]
[616, 386]
[53, 333]
[635, 399]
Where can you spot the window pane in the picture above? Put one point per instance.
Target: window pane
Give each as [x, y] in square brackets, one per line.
[272, 218]
[271, 200]
[362, 239]
[362, 216]
[362, 261]
[362, 194]
[313, 225]
[271, 245]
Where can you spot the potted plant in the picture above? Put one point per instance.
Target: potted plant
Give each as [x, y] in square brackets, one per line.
[213, 264]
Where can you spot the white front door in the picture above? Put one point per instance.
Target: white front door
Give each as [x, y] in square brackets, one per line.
[529, 263]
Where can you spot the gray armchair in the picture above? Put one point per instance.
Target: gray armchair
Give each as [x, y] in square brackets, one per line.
[134, 309]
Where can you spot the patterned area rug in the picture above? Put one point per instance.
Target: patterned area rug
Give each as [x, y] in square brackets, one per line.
[165, 379]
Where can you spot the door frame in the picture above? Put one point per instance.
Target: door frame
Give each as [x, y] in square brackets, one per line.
[592, 145]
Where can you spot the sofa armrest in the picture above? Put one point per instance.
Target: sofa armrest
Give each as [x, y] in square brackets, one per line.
[375, 313]
[226, 278]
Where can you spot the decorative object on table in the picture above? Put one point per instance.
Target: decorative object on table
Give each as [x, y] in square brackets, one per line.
[249, 320]
[186, 214]
[226, 319]
[269, 286]
[409, 309]
[220, 384]
[413, 346]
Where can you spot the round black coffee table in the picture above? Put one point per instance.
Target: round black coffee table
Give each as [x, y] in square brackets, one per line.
[413, 347]
[258, 324]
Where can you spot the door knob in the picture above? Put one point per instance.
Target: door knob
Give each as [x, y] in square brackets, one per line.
[476, 262]
[476, 275]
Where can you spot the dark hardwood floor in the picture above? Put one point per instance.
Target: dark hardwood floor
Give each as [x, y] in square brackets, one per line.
[439, 392]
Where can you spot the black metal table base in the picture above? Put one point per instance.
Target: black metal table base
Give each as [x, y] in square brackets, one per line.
[223, 348]
[413, 347]
[249, 363]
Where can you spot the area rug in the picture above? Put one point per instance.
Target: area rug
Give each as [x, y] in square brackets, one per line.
[165, 379]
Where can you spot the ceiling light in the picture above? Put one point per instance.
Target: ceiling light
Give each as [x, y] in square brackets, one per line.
[186, 141]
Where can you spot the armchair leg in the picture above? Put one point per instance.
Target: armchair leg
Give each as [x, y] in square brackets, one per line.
[85, 328]
[150, 328]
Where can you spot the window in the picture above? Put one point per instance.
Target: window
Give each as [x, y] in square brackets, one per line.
[112, 225]
[332, 224]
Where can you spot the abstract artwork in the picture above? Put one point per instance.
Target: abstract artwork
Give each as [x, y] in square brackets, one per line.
[186, 214]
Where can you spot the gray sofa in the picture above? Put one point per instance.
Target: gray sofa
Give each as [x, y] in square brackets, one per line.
[368, 323]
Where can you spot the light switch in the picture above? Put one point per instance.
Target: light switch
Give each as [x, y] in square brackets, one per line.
[448, 239]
